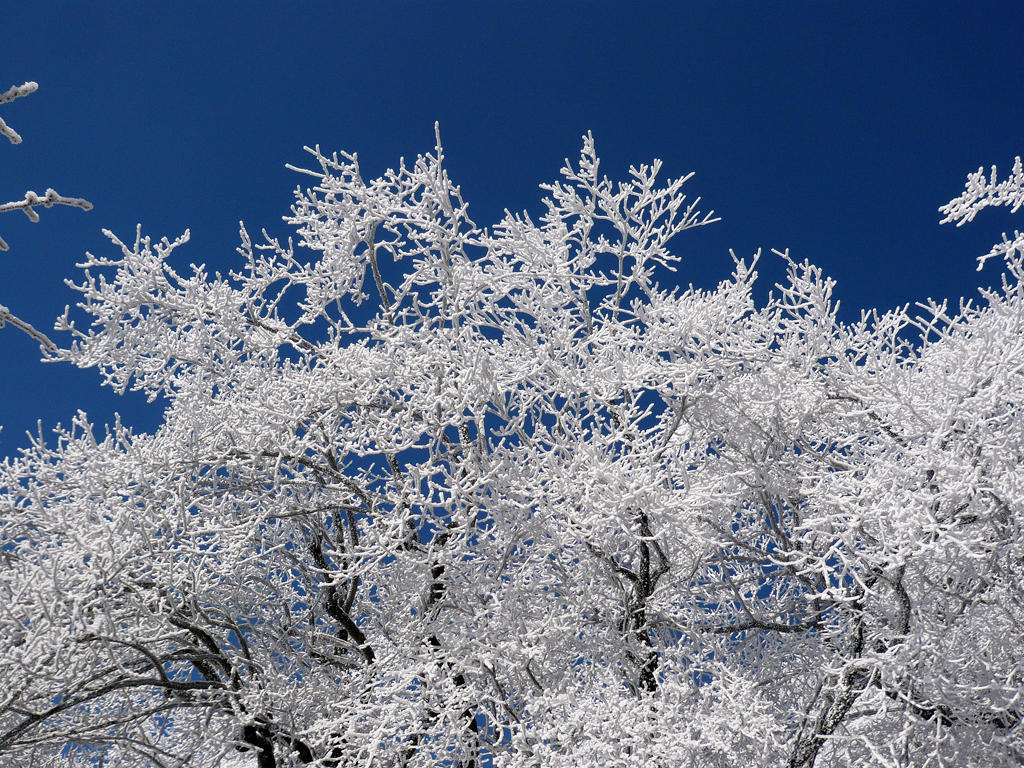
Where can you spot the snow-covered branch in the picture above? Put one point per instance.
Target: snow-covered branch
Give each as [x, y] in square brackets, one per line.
[981, 192]
[28, 203]
[12, 93]
[6, 316]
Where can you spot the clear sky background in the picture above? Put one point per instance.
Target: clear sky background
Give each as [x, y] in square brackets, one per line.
[834, 129]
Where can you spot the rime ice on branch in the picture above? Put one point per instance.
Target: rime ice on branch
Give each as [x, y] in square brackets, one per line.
[12, 93]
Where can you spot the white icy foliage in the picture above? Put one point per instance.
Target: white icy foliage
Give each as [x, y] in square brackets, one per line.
[430, 494]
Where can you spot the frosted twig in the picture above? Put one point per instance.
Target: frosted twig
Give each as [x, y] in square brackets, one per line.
[981, 192]
[6, 316]
[31, 199]
[12, 93]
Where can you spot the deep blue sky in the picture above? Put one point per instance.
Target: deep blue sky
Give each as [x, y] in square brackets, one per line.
[832, 129]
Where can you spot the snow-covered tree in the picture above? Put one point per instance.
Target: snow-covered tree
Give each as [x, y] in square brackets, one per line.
[431, 494]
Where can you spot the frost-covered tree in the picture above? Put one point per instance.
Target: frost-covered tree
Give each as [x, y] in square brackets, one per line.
[429, 494]
[28, 205]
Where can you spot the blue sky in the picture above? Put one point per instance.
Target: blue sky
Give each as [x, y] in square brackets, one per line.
[832, 129]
